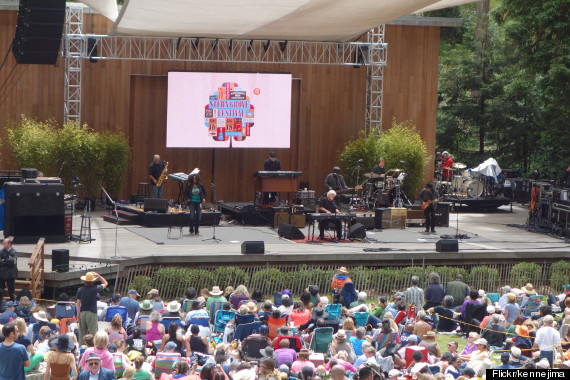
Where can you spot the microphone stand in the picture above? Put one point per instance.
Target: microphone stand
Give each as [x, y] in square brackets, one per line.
[213, 238]
[115, 256]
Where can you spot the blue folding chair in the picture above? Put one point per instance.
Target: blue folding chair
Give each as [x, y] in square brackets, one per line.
[277, 299]
[222, 318]
[65, 310]
[361, 318]
[334, 310]
[200, 321]
[247, 329]
[166, 321]
[494, 297]
[114, 310]
[247, 318]
[213, 309]
[532, 305]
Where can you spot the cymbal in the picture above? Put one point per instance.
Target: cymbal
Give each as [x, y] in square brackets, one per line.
[459, 165]
[396, 170]
[372, 175]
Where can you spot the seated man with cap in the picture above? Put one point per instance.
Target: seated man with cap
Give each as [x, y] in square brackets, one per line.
[95, 369]
[505, 357]
[109, 312]
[131, 303]
[9, 312]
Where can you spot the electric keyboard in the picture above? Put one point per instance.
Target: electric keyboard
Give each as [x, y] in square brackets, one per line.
[321, 216]
[180, 177]
[278, 174]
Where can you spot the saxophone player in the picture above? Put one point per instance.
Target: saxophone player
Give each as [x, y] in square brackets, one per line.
[155, 170]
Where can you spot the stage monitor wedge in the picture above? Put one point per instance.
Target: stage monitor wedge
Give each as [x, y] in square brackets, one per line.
[447, 245]
[253, 248]
[290, 232]
[156, 205]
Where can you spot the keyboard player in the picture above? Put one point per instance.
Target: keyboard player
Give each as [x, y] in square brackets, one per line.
[272, 164]
[328, 205]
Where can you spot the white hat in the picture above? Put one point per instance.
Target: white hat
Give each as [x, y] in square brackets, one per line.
[216, 291]
[41, 316]
[445, 152]
[543, 364]
[481, 341]
[174, 306]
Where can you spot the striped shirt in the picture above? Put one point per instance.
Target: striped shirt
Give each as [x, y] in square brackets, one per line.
[415, 296]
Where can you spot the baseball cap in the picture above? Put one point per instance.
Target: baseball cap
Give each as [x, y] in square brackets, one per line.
[264, 329]
[132, 291]
[413, 338]
[170, 346]
[115, 297]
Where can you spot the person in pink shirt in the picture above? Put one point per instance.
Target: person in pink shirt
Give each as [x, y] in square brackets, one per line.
[101, 342]
[302, 361]
[340, 359]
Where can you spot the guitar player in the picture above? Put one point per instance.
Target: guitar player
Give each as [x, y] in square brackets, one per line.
[429, 196]
[335, 181]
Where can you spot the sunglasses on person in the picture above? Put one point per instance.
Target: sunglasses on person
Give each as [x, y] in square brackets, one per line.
[93, 363]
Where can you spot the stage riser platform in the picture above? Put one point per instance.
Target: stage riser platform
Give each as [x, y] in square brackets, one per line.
[170, 219]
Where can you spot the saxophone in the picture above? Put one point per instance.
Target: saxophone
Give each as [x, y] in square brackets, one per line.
[163, 175]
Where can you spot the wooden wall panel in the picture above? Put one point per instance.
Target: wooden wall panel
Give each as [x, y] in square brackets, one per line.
[328, 106]
[410, 81]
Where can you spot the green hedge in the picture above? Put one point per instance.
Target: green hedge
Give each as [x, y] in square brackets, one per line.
[173, 281]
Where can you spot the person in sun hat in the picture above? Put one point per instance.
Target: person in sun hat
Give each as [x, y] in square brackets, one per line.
[216, 294]
[154, 296]
[173, 310]
[528, 291]
[61, 361]
[340, 277]
[87, 304]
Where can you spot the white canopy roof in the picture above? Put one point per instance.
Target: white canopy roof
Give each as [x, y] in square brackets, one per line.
[296, 20]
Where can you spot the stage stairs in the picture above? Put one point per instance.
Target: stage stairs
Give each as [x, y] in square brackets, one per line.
[125, 217]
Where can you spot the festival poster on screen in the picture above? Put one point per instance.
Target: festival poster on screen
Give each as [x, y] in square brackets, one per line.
[219, 110]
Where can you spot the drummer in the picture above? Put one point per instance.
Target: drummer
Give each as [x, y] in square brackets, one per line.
[447, 174]
[379, 170]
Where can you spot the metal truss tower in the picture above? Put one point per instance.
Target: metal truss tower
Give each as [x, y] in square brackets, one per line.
[375, 82]
[74, 51]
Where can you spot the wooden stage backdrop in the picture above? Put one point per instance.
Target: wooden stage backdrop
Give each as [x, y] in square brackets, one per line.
[328, 106]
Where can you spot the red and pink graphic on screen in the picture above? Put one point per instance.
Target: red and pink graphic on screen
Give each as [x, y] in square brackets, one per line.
[219, 110]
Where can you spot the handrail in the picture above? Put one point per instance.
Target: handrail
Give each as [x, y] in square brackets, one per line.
[36, 265]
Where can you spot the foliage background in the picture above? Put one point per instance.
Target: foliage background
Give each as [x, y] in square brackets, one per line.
[71, 150]
[503, 85]
[401, 146]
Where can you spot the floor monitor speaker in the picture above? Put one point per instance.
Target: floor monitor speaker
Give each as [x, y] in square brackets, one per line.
[60, 260]
[357, 231]
[290, 232]
[253, 248]
[447, 245]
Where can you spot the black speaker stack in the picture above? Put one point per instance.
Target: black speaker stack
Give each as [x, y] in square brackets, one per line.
[253, 248]
[447, 245]
[39, 31]
[33, 211]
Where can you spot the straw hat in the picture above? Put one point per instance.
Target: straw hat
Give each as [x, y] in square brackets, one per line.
[89, 277]
[251, 307]
[342, 270]
[429, 334]
[173, 306]
[41, 316]
[216, 291]
[243, 309]
[152, 292]
[522, 330]
[528, 289]
[146, 305]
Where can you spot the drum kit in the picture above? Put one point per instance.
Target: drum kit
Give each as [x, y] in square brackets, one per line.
[381, 190]
[463, 182]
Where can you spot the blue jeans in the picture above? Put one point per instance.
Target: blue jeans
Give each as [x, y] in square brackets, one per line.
[156, 192]
[195, 215]
[548, 355]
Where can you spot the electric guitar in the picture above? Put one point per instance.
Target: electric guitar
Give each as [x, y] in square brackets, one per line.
[425, 205]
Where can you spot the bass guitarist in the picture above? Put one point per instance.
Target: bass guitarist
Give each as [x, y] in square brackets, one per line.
[335, 181]
[429, 198]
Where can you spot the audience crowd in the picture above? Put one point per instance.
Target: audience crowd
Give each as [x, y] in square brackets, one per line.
[337, 333]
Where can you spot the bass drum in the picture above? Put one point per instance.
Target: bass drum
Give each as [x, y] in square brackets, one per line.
[473, 188]
[381, 199]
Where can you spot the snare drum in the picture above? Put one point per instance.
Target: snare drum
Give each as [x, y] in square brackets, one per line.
[457, 182]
